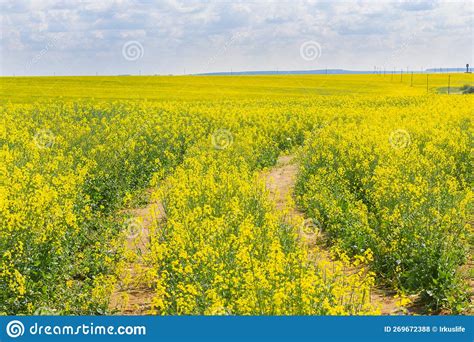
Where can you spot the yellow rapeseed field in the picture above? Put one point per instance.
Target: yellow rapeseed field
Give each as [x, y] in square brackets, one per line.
[385, 169]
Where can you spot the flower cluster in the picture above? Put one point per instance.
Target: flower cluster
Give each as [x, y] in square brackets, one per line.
[224, 249]
[406, 200]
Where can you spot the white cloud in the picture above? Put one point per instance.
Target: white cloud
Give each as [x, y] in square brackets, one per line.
[190, 34]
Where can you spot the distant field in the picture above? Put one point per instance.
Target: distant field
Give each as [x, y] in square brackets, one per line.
[163, 88]
[153, 195]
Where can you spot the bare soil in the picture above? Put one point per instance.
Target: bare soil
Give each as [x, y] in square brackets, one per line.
[280, 182]
[133, 294]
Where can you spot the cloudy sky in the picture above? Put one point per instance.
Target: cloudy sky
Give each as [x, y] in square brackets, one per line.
[176, 37]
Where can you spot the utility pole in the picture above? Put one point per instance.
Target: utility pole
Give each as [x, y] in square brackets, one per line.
[449, 84]
[401, 75]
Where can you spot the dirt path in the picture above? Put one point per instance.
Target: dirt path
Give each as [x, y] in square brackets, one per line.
[280, 181]
[133, 294]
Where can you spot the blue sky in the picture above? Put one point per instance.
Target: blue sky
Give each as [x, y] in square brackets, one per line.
[173, 37]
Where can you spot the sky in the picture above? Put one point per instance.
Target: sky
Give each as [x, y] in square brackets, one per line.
[184, 37]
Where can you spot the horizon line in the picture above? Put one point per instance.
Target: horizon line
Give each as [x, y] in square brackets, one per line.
[272, 72]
